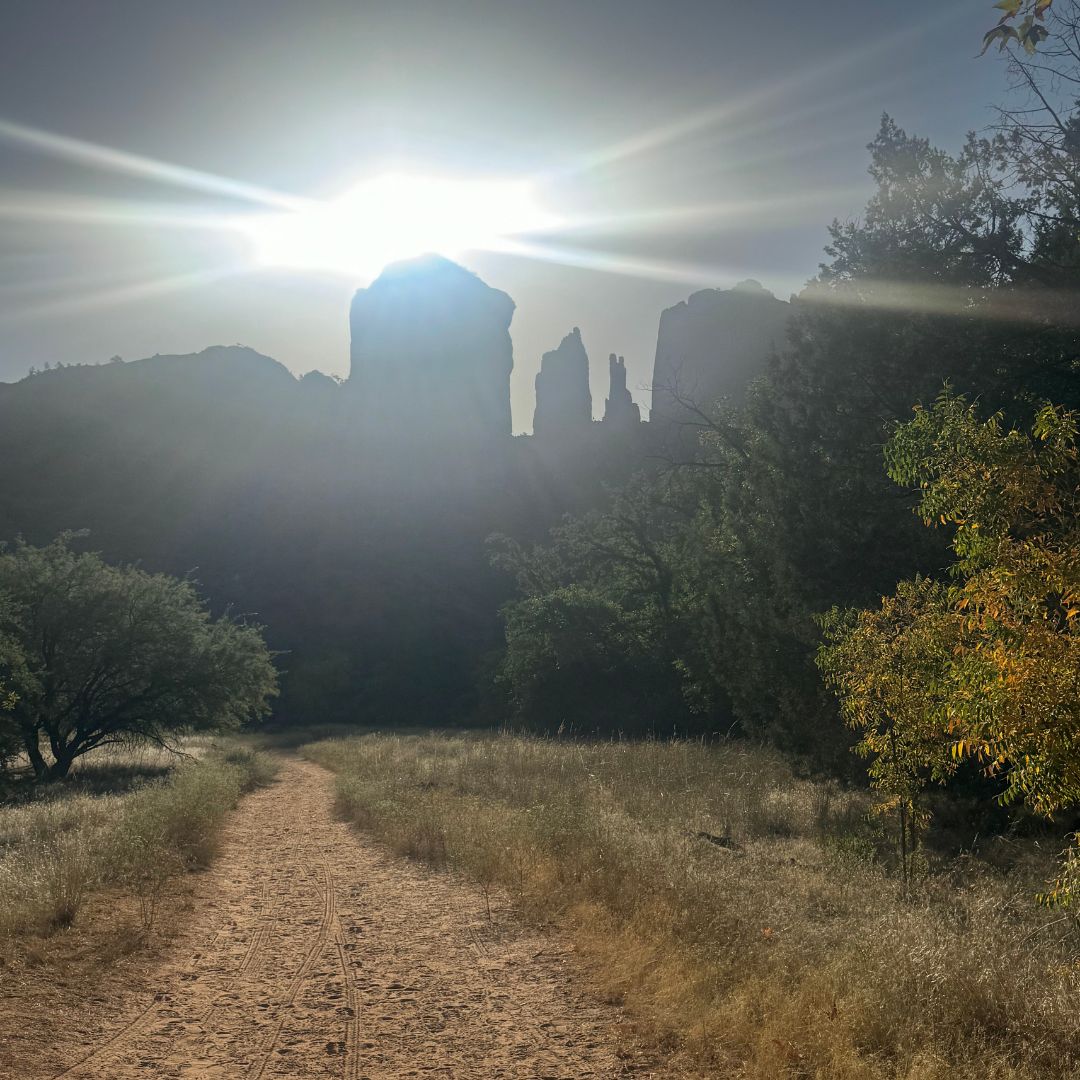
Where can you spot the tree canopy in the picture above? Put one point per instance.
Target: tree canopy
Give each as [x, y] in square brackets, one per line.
[94, 655]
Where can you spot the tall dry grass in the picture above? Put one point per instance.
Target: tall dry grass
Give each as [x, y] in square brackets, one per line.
[778, 943]
[102, 828]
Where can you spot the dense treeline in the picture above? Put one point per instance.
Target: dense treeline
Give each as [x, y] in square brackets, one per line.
[692, 600]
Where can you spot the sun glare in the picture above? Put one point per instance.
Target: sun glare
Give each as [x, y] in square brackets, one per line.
[397, 216]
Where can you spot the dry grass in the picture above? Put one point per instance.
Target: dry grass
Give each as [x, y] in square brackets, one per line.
[129, 820]
[790, 953]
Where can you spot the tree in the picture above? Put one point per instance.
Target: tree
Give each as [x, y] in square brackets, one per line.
[9, 734]
[1038, 147]
[577, 660]
[603, 631]
[98, 655]
[939, 281]
[1014, 502]
[884, 664]
[991, 661]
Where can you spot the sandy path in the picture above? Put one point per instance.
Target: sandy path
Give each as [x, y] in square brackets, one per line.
[317, 954]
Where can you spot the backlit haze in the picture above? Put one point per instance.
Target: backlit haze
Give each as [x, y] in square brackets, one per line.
[176, 177]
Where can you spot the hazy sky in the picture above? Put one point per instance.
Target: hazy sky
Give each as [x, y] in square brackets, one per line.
[709, 141]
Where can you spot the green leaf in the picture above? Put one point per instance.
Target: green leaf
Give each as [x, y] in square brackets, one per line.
[1001, 34]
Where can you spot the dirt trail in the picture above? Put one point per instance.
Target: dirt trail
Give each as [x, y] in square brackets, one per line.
[316, 954]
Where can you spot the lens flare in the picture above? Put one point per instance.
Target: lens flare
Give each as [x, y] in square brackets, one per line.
[396, 216]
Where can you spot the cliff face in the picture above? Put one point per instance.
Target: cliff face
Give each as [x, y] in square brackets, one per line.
[431, 355]
[563, 400]
[619, 408]
[712, 346]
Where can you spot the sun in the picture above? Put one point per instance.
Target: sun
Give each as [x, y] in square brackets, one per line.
[396, 216]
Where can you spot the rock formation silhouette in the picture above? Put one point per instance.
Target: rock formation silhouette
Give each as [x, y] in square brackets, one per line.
[712, 346]
[431, 355]
[350, 517]
[563, 399]
[619, 408]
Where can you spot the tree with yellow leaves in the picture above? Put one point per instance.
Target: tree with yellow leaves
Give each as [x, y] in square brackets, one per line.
[984, 667]
[884, 664]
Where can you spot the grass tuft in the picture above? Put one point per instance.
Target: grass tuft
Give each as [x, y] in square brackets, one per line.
[57, 848]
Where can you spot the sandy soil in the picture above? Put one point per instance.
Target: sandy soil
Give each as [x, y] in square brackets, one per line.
[309, 952]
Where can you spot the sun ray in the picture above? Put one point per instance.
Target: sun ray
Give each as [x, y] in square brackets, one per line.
[122, 294]
[769, 211]
[795, 87]
[1007, 305]
[120, 161]
[686, 273]
[79, 210]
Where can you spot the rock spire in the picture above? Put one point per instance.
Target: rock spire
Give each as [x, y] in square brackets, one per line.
[563, 399]
[619, 408]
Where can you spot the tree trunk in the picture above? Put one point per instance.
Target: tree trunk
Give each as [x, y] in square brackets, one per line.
[33, 752]
[43, 771]
[59, 768]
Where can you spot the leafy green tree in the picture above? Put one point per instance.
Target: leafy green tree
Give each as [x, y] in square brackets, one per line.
[1013, 501]
[98, 655]
[605, 615]
[10, 743]
[576, 660]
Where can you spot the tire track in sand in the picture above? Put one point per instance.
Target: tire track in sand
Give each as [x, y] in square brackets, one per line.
[323, 956]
